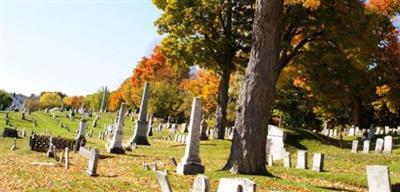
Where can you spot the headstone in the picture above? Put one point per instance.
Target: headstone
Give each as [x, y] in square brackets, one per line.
[92, 166]
[104, 100]
[173, 128]
[115, 146]
[354, 146]
[203, 128]
[82, 129]
[287, 160]
[51, 152]
[14, 146]
[275, 145]
[201, 184]
[270, 160]
[378, 178]
[94, 124]
[301, 159]
[163, 181]
[379, 145]
[66, 153]
[140, 135]
[388, 144]
[150, 126]
[371, 132]
[191, 163]
[318, 162]
[366, 146]
[236, 185]
[387, 129]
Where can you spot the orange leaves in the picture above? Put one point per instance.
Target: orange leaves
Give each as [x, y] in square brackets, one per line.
[387, 7]
[205, 85]
[383, 90]
[312, 4]
[115, 100]
[74, 101]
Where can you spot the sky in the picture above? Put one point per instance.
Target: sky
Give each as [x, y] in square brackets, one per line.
[73, 46]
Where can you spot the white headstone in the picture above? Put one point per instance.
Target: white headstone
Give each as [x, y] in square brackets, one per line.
[201, 184]
[388, 143]
[301, 159]
[275, 145]
[236, 184]
[354, 146]
[379, 145]
[116, 143]
[378, 178]
[366, 145]
[163, 181]
[82, 127]
[191, 163]
[140, 135]
[287, 160]
[318, 162]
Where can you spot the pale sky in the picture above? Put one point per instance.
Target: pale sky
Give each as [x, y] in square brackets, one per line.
[73, 46]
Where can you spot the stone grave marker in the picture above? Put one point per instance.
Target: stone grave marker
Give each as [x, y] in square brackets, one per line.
[275, 145]
[388, 144]
[140, 135]
[287, 160]
[191, 163]
[115, 146]
[82, 129]
[366, 146]
[378, 178]
[66, 153]
[163, 181]
[201, 184]
[301, 159]
[318, 162]
[204, 126]
[236, 184]
[379, 145]
[354, 146]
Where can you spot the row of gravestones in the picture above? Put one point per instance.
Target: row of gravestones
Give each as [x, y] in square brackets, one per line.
[301, 163]
[202, 184]
[385, 145]
[356, 131]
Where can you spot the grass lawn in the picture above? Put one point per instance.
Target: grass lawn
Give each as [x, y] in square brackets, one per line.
[344, 171]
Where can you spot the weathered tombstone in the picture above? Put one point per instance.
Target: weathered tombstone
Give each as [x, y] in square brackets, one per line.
[379, 145]
[318, 162]
[163, 181]
[92, 166]
[204, 126]
[66, 153]
[386, 130]
[104, 101]
[388, 143]
[115, 146]
[352, 131]
[378, 178]
[287, 160]
[150, 126]
[140, 135]
[301, 159]
[354, 146]
[270, 160]
[274, 144]
[51, 152]
[191, 163]
[366, 145]
[82, 129]
[236, 185]
[201, 184]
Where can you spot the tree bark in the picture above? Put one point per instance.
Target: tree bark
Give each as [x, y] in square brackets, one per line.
[247, 155]
[222, 103]
[356, 111]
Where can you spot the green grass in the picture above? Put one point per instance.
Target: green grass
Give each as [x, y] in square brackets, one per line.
[344, 171]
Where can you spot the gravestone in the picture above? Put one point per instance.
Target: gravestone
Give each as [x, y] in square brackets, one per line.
[204, 126]
[354, 146]
[287, 160]
[140, 135]
[173, 128]
[94, 124]
[150, 126]
[270, 160]
[379, 145]
[301, 159]
[66, 153]
[201, 184]
[388, 144]
[318, 162]
[115, 146]
[93, 157]
[378, 178]
[163, 181]
[366, 147]
[275, 145]
[104, 100]
[236, 185]
[51, 151]
[82, 129]
[191, 163]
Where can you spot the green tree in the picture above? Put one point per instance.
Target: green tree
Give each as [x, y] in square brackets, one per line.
[213, 34]
[5, 99]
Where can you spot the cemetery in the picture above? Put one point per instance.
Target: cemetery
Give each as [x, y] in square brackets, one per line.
[200, 96]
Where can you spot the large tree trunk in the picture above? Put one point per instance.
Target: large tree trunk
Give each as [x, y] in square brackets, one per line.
[222, 104]
[356, 111]
[247, 155]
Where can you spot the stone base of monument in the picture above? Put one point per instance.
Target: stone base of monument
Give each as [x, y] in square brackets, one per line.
[189, 169]
[140, 140]
[116, 150]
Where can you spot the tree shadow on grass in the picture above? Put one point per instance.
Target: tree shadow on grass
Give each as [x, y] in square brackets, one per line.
[294, 139]
[178, 145]
[334, 189]
[105, 156]
[137, 155]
